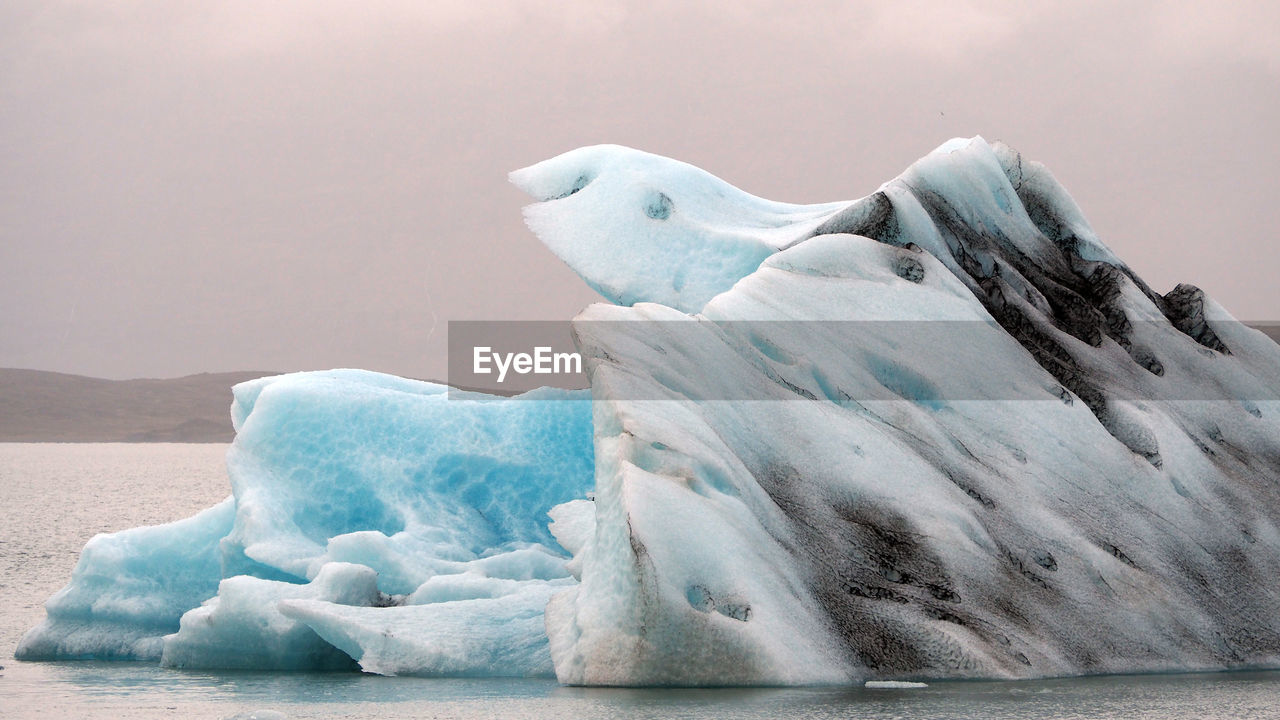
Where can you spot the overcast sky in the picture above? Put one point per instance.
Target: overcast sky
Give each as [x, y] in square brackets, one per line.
[190, 187]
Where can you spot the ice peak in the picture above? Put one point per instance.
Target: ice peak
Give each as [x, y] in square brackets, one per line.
[639, 227]
[957, 143]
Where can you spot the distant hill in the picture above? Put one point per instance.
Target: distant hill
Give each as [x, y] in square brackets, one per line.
[40, 406]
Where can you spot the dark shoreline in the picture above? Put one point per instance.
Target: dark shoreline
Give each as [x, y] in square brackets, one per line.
[42, 406]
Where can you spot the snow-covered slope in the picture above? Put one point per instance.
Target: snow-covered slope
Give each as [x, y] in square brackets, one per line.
[951, 436]
[940, 431]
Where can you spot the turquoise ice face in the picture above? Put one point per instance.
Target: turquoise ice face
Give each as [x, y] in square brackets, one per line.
[359, 499]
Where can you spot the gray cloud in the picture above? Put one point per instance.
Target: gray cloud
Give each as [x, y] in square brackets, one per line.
[216, 186]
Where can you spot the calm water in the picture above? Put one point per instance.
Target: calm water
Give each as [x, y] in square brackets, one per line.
[54, 497]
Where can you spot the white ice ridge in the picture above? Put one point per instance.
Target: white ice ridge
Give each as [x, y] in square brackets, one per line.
[641, 227]
[937, 432]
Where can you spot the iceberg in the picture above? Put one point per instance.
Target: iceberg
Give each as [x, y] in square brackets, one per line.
[937, 432]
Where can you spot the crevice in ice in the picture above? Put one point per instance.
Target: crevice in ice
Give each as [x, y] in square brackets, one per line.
[1024, 570]
[700, 599]
[968, 489]
[1045, 559]
[1119, 554]
[909, 269]
[659, 207]
[871, 217]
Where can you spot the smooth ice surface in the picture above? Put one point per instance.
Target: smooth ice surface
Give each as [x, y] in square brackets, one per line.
[644, 228]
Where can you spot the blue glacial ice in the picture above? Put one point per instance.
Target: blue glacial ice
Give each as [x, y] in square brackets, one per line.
[349, 489]
[129, 589]
[217, 634]
[939, 431]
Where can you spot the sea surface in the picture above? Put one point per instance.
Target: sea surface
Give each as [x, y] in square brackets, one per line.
[54, 497]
